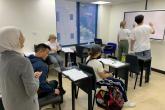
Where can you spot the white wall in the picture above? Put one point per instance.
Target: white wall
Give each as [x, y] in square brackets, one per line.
[117, 14]
[36, 18]
[103, 26]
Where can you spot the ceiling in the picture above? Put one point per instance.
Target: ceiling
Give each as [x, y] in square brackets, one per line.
[112, 1]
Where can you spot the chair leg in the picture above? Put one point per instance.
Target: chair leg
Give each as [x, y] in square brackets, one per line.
[135, 81]
[131, 74]
[94, 98]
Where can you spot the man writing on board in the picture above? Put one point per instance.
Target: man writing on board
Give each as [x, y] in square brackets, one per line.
[140, 41]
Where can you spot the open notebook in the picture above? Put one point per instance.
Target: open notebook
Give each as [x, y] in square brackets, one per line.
[111, 62]
[75, 74]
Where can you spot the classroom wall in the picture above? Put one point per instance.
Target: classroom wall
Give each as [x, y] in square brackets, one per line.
[117, 14]
[36, 18]
[103, 26]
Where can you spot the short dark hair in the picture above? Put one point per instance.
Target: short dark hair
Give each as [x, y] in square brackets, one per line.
[41, 46]
[139, 19]
[95, 49]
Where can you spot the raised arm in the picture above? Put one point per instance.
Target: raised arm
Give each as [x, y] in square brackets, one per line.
[152, 28]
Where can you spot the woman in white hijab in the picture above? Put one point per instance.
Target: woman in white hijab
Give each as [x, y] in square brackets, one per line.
[18, 83]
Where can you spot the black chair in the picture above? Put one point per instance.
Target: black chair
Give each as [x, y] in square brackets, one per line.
[134, 66]
[98, 41]
[110, 49]
[51, 99]
[89, 70]
[82, 53]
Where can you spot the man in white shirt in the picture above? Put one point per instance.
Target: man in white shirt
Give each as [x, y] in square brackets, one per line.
[140, 42]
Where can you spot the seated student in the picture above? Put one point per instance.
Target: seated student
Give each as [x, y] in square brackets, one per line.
[55, 48]
[101, 74]
[37, 60]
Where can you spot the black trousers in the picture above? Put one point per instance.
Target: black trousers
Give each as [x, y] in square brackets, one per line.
[53, 84]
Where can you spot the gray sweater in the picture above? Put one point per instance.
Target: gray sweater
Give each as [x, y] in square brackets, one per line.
[17, 83]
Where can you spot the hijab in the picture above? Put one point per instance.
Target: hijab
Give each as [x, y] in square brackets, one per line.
[9, 39]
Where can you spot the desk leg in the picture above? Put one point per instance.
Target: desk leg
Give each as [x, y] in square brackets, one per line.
[66, 59]
[60, 79]
[141, 76]
[126, 80]
[90, 105]
[116, 73]
[60, 82]
[73, 96]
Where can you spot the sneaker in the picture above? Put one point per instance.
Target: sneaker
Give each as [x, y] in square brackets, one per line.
[129, 104]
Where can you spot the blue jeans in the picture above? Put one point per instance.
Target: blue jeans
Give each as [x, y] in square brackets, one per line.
[144, 54]
[56, 60]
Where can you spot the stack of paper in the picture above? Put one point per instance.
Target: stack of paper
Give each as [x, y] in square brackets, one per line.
[111, 62]
[75, 74]
[67, 50]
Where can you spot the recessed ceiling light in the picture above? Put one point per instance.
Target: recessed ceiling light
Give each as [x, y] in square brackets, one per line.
[100, 2]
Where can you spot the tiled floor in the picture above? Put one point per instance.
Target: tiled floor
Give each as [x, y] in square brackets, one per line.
[148, 97]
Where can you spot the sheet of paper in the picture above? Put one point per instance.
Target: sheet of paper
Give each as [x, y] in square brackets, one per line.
[29, 53]
[67, 50]
[75, 74]
[111, 62]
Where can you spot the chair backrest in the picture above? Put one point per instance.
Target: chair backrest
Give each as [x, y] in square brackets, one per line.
[89, 70]
[98, 41]
[110, 48]
[134, 63]
[113, 45]
[80, 51]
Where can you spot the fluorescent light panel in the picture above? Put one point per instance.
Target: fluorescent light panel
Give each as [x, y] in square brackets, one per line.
[100, 2]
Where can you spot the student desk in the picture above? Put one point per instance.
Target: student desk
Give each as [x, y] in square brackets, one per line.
[121, 70]
[144, 62]
[67, 51]
[85, 84]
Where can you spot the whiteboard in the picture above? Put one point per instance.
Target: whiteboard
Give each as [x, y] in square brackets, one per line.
[157, 17]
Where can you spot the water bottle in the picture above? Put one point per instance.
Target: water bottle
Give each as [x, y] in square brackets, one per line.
[123, 57]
